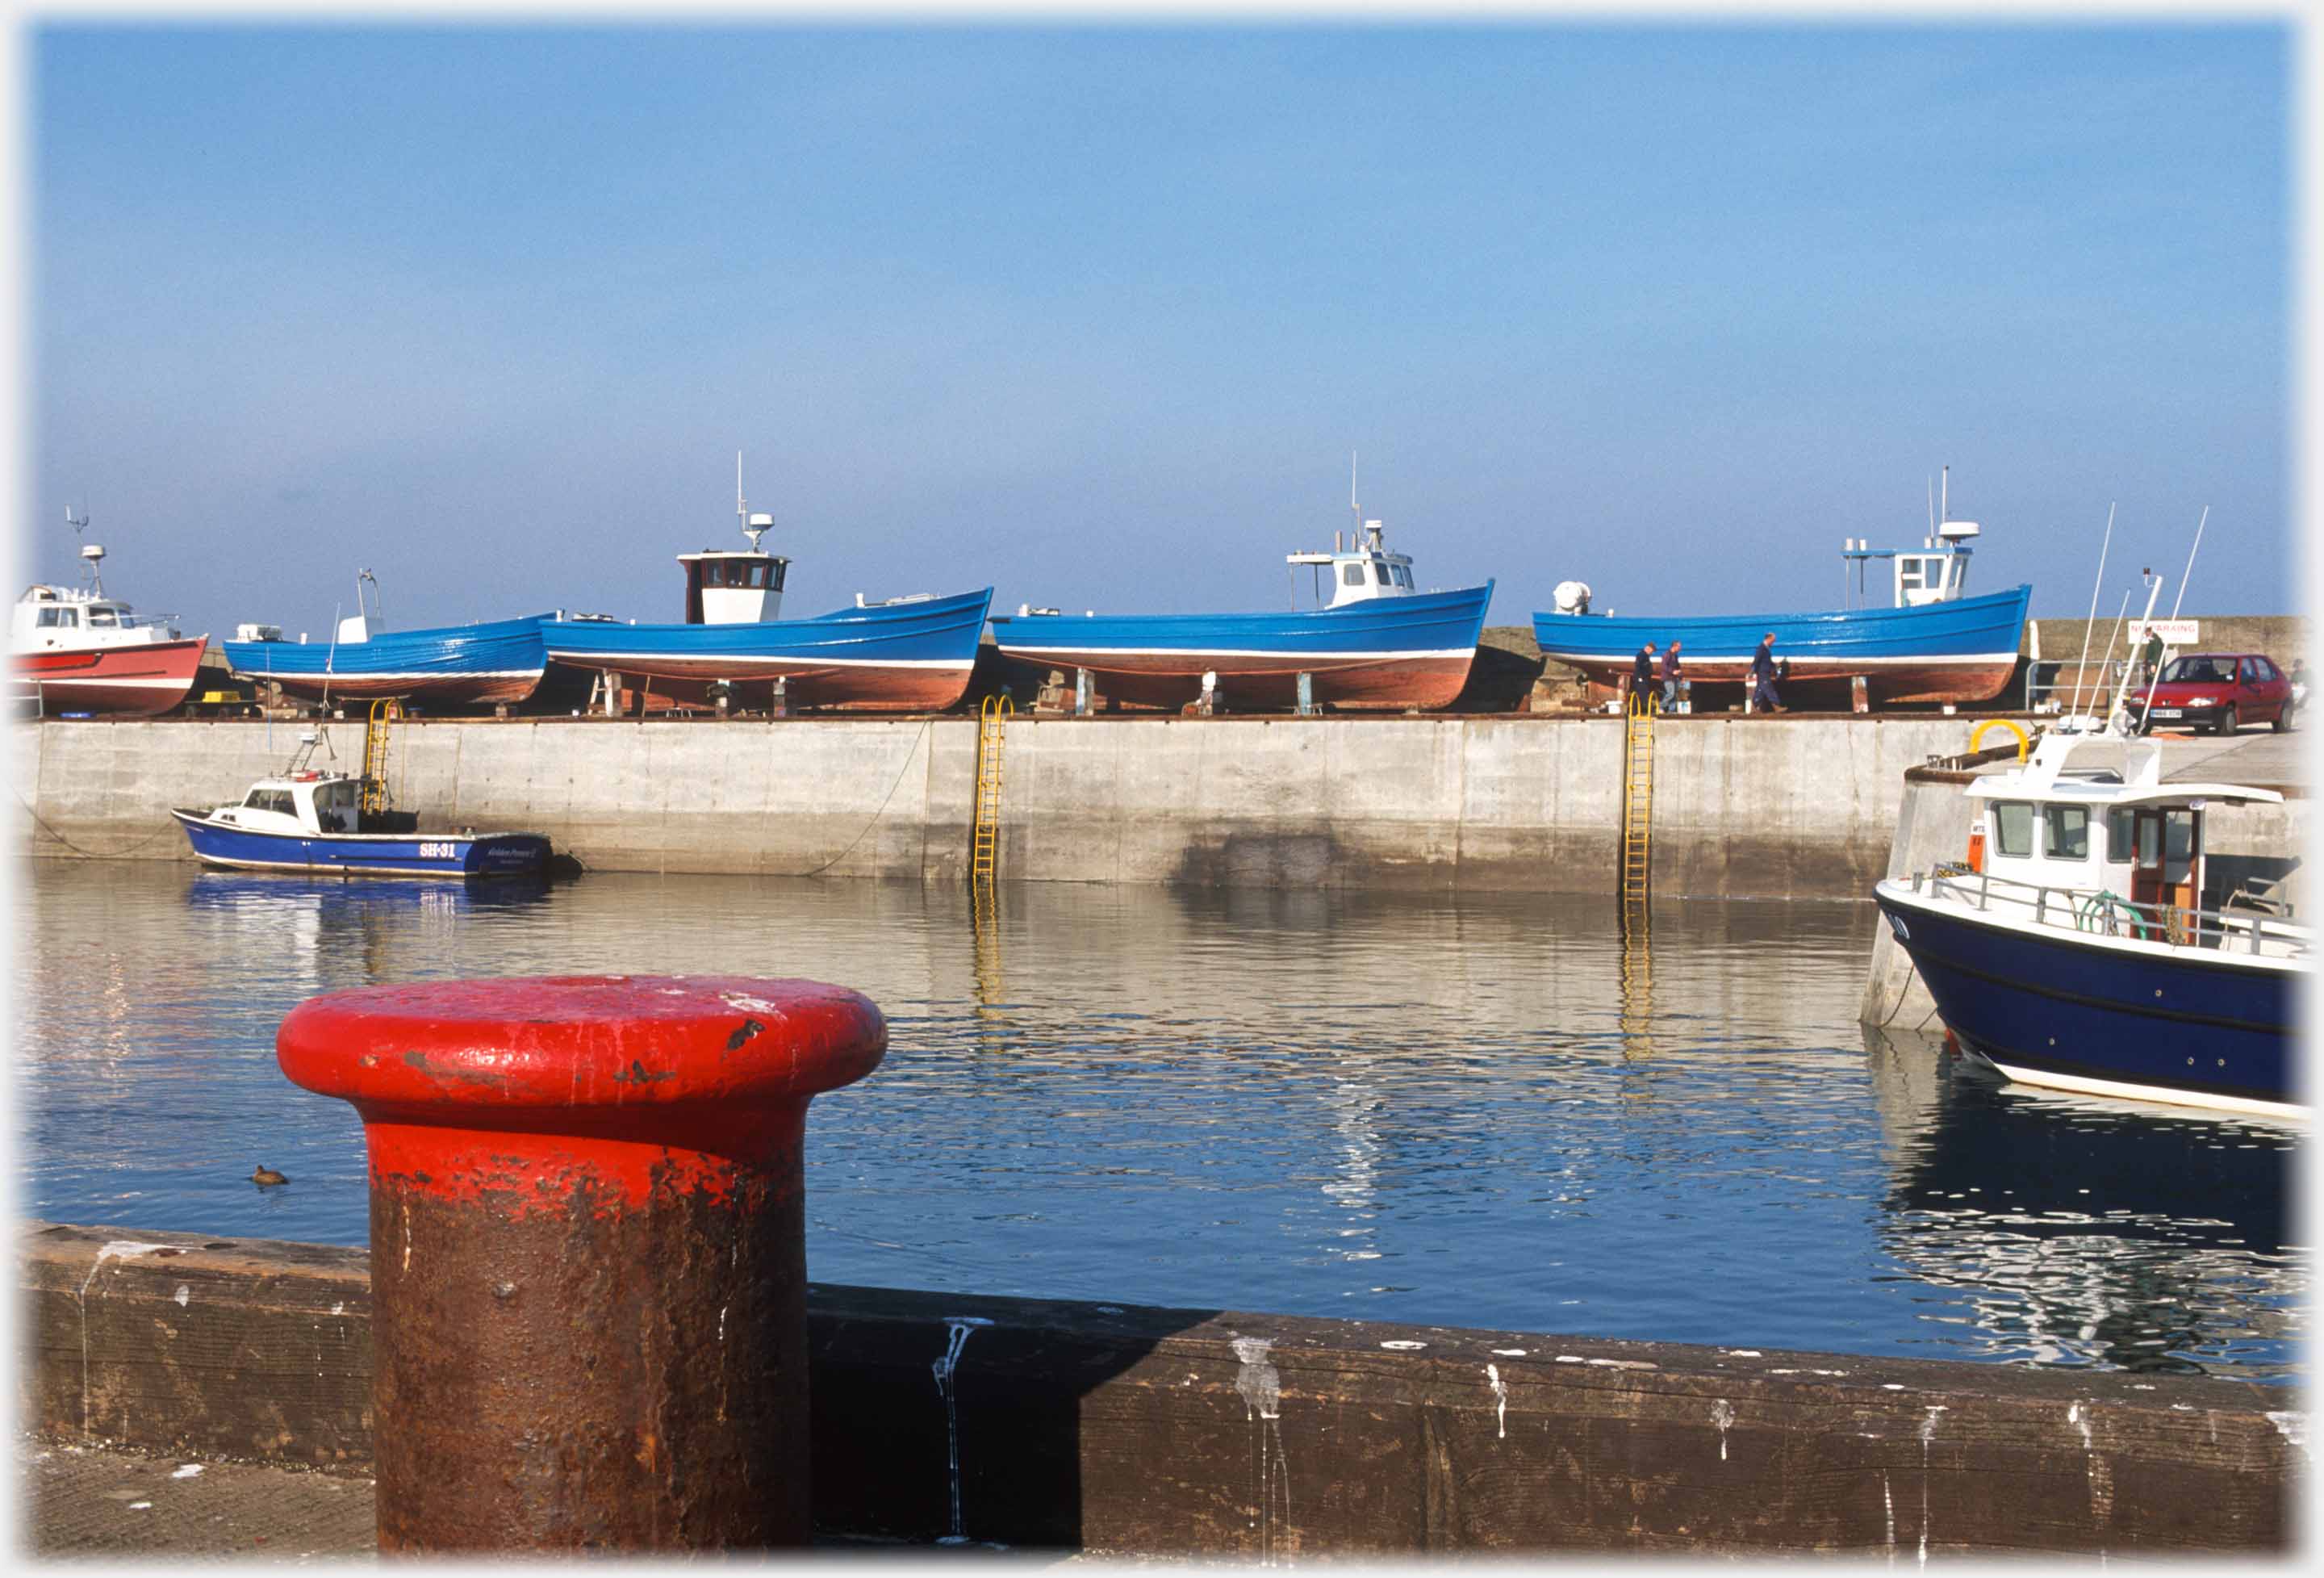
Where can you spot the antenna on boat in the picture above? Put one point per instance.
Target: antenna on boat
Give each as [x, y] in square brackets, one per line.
[2083, 667]
[754, 527]
[92, 557]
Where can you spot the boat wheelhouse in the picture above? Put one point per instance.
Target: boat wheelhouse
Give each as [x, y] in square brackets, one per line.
[2073, 947]
[1378, 644]
[74, 649]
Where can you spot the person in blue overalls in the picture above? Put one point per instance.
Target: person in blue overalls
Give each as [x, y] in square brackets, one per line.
[1763, 675]
[1642, 676]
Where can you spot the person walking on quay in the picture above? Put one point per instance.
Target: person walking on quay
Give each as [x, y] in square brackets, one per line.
[1642, 676]
[1670, 679]
[1763, 675]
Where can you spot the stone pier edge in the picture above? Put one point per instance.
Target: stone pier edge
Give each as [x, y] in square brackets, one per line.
[1136, 1430]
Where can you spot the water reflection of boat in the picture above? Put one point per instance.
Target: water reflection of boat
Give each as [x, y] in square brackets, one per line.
[2080, 1231]
[230, 890]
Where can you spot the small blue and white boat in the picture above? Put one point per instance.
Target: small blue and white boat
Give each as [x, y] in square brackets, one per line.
[2071, 949]
[1380, 643]
[314, 823]
[1933, 644]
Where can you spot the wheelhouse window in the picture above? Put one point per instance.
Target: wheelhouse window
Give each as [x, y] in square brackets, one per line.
[61, 618]
[1908, 574]
[1380, 574]
[2178, 844]
[262, 799]
[780, 566]
[2012, 830]
[104, 616]
[2118, 824]
[2066, 832]
[1351, 575]
[1404, 577]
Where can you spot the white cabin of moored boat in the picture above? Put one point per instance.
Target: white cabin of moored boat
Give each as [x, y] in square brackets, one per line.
[1362, 570]
[298, 803]
[2091, 819]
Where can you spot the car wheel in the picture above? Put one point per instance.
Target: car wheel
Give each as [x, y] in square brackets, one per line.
[2228, 722]
[2283, 720]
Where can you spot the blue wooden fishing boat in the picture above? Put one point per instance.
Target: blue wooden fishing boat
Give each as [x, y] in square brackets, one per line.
[910, 654]
[1380, 643]
[2072, 948]
[1932, 644]
[455, 665]
[901, 654]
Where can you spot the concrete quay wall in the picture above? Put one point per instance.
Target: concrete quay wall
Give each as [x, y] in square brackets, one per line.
[1788, 805]
[1253, 1437]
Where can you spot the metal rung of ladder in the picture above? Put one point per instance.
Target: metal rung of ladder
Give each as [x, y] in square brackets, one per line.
[992, 718]
[383, 713]
[1637, 798]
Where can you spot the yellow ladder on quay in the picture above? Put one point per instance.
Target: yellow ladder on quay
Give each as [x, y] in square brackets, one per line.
[384, 715]
[991, 717]
[1637, 803]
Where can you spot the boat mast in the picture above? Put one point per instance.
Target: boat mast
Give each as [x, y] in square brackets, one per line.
[93, 560]
[2091, 624]
[2146, 622]
[750, 529]
[2157, 677]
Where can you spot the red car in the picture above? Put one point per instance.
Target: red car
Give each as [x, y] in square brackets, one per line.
[2220, 692]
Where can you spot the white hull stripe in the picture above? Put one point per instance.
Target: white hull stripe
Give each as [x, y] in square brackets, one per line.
[1799, 663]
[2082, 1086]
[335, 868]
[105, 681]
[372, 676]
[618, 660]
[1448, 653]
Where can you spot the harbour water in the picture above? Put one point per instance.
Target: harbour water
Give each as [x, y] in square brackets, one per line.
[1483, 1111]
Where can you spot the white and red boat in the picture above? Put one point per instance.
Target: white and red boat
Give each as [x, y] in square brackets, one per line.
[73, 649]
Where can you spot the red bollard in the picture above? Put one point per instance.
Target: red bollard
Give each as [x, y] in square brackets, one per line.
[588, 1251]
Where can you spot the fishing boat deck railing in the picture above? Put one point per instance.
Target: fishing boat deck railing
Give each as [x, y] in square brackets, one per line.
[2104, 913]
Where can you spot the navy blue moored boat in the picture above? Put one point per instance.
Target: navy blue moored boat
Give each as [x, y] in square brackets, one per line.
[2071, 950]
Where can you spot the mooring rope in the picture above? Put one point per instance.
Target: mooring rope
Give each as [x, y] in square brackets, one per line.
[910, 756]
[88, 853]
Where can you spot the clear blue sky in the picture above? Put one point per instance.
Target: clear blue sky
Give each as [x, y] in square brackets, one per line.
[1096, 315]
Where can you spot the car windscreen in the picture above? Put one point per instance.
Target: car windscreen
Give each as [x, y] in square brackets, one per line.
[2200, 671]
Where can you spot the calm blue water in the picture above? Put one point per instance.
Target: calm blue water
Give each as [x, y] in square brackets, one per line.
[1481, 1112]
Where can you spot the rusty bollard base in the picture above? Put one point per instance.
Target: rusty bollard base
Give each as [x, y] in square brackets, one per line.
[587, 1249]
